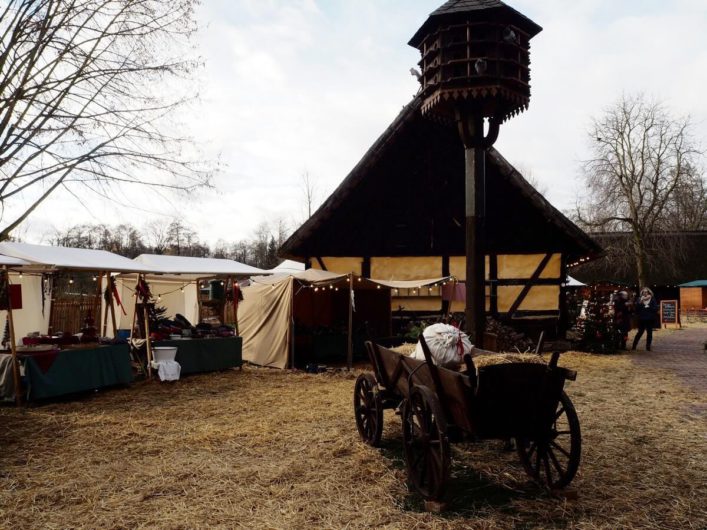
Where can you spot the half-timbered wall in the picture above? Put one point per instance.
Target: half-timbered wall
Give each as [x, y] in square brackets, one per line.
[521, 284]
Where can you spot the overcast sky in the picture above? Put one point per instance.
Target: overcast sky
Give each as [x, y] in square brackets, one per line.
[294, 86]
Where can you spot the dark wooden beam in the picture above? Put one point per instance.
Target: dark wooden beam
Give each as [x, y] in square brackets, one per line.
[526, 289]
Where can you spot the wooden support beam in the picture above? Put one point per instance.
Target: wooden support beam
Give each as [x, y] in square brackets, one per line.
[526, 288]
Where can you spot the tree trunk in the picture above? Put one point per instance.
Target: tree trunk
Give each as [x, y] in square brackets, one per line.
[639, 251]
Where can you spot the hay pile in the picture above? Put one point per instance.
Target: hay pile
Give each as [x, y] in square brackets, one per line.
[275, 449]
[408, 348]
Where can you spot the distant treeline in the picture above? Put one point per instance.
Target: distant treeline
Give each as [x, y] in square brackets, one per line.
[174, 238]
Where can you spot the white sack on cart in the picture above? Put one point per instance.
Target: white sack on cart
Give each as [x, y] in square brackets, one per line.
[447, 344]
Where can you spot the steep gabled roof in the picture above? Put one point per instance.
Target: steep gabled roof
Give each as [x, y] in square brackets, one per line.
[405, 197]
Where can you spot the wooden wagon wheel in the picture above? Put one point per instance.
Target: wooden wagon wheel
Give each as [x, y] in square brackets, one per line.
[368, 408]
[554, 461]
[427, 453]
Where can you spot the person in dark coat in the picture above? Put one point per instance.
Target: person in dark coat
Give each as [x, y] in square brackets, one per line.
[622, 317]
[646, 311]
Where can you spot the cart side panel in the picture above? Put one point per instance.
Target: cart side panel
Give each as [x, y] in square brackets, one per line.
[458, 397]
[393, 364]
[516, 399]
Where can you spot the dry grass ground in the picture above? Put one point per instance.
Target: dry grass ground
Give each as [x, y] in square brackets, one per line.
[272, 449]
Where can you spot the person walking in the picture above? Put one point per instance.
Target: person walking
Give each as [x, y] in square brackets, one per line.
[646, 310]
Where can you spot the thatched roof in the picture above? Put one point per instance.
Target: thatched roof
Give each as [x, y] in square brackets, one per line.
[675, 258]
[406, 198]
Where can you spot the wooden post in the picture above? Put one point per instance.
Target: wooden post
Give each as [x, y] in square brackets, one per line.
[112, 307]
[13, 347]
[292, 323]
[198, 300]
[148, 342]
[99, 315]
[472, 129]
[349, 353]
[105, 296]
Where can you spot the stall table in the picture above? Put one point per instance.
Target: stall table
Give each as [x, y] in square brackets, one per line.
[206, 355]
[57, 373]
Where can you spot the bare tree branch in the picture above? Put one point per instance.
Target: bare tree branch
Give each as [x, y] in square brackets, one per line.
[86, 94]
[643, 179]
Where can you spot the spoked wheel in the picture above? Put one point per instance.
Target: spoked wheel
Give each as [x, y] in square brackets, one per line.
[368, 409]
[427, 453]
[553, 461]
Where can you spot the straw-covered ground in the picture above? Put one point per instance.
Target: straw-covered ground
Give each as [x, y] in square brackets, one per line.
[264, 448]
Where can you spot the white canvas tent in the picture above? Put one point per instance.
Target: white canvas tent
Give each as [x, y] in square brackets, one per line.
[47, 258]
[174, 281]
[33, 260]
[193, 268]
[29, 262]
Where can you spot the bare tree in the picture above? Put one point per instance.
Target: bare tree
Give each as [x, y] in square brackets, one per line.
[156, 232]
[86, 89]
[309, 191]
[643, 158]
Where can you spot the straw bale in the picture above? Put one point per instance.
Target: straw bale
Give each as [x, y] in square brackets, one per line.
[265, 448]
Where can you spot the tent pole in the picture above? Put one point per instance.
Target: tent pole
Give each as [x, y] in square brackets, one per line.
[198, 301]
[105, 294]
[13, 347]
[349, 353]
[292, 324]
[132, 329]
[99, 316]
[111, 305]
[147, 335]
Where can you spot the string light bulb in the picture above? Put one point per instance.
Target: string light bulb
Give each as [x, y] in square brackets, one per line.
[71, 280]
[94, 278]
[20, 276]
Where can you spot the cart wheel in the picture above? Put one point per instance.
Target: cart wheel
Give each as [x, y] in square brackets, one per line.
[427, 453]
[553, 462]
[368, 409]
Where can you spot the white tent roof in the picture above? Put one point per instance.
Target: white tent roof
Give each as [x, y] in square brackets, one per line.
[47, 257]
[572, 282]
[196, 266]
[309, 276]
[12, 262]
[288, 266]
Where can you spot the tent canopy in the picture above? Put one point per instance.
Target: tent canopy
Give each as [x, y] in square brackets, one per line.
[196, 267]
[307, 276]
[12, 262]
[288, 266]
[44, 257]
[695, 283]
[573, 282]
[320, 276]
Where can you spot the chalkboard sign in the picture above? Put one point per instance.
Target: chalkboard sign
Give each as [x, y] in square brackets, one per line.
[669, 312]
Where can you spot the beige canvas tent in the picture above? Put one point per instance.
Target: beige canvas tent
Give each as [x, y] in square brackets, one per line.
[311, 297]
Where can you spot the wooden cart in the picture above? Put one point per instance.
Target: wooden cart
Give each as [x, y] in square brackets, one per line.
[521, 401]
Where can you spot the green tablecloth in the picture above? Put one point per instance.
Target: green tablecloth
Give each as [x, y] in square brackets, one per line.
[206, 355]
[79, 370]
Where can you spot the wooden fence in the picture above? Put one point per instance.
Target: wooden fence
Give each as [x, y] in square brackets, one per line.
[69, 314]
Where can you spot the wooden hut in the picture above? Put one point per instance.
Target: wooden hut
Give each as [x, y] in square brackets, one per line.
[400, 215]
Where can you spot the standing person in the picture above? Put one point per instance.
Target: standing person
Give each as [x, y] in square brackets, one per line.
[646, 310]
[622, 317]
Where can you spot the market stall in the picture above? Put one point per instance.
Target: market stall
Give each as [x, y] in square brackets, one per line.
[58, 362]
[192, 304]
